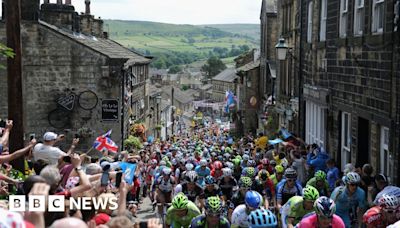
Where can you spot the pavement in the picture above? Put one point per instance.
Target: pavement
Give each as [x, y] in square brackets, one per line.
[145, 210]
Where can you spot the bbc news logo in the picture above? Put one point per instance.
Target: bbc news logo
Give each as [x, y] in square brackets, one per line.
[56, 203]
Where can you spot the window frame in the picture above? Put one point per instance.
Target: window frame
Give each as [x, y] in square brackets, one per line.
[359, 17]
[345, 143]
[386, 159]
[323, 18]
[374, 25]
[309, 22]
[343, 18]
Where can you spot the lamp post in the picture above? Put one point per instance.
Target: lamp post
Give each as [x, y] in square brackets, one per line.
[281, 49]
[158, 101]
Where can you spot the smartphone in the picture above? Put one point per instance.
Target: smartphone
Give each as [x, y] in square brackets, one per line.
[31, 136]
[67, 159]
[118, 179]
[104, 179]
[2, 123]
[143, 224]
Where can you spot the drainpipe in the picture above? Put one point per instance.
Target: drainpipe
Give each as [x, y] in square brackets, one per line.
[301, 111]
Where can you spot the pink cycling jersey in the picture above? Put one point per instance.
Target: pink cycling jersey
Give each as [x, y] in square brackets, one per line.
[312, 221]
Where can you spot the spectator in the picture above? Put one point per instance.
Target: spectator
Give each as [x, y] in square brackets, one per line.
[317, 158]
[332, 174]
[47, 152]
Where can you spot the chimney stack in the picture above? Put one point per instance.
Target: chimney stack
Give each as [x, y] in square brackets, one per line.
[67, 2]
[46, 1]
[59, 2]
[87, 3]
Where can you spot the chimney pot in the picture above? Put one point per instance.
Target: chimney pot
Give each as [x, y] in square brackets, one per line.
[59, 2]
[68, 2]
[87, 3]
[46, 1]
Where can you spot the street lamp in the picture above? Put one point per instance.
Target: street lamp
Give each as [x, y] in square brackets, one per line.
[158, 101]
[281, 49]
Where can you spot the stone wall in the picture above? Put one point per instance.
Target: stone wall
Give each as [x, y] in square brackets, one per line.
[53, 63]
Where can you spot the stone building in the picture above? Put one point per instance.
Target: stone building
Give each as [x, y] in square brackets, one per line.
[223, 82]
[75, 80]
[350, 81]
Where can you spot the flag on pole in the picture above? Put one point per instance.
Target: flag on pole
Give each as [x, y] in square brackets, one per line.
[104, 142]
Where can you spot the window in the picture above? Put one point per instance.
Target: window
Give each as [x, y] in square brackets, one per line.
[346, 138]
[315, 124]
[343, 18]
[358, 17]
[322, 27]
[309, 26]
[378, 13]
[386, 158]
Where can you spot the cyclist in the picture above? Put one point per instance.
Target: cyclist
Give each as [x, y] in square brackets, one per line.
[262, 218]
[265, 165]
[227, 184]
[202, 171]
[181, 212]
[213, 215]
[190, 187]
[249, 172]
[320, 182]
[287, 188]
[264, 185]
[387, 212]
[165, 185]
[349, 199]
[216, 172]
[150, 175]
[211, 189]
[298, 206]
[324, 216]
[278, 175]
[253, 201]
[245, 184]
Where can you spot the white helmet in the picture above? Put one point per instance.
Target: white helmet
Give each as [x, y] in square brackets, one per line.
[227, 172]
[178, 189]
[191, 176]
[163, 163]
[189, 166]
[353, 178]
[246, 157]
[389, 201]
[166, 171]
[203, 162]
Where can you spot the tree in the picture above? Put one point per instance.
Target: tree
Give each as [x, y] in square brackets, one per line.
[213, 66]
[5, 52]
[174, 69]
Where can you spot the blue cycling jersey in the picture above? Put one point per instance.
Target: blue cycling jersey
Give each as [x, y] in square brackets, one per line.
[202, 173]
[347, 204]
[284, 193]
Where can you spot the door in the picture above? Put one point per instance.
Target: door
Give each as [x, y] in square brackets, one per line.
[362, 142]
[345, 139]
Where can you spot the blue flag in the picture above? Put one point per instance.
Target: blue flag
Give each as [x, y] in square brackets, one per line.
[129, 171]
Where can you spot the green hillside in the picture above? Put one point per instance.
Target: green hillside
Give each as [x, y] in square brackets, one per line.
[173, 44]
[251, 30]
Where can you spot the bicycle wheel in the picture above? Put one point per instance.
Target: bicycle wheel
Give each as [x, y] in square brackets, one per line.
[59, 118]
[87, 100]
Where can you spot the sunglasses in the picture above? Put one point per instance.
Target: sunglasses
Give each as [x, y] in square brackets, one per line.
[389, 211]
[353, 185]
[290, 180]
[211, 214]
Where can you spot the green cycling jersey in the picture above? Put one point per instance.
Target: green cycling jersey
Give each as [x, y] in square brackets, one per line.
[182, 221]
[296, 209]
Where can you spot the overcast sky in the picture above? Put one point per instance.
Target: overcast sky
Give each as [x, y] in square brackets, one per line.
[176, 11]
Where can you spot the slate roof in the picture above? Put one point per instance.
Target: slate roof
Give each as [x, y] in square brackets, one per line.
[249, 66]
[206, 87]
[179, 95]
[228, 75]
[107, 47]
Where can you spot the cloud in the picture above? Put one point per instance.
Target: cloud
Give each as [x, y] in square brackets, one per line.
[176, 11]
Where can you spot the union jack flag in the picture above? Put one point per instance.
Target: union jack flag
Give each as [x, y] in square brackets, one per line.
[104, 142]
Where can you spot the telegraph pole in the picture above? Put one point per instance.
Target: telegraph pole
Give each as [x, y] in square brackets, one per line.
[173, 110]
[14, 78]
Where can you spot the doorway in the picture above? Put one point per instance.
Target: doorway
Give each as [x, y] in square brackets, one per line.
[363, 142]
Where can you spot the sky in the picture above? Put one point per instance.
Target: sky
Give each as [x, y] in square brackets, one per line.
[176, 11]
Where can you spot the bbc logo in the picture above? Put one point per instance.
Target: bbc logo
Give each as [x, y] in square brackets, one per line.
[36, 203]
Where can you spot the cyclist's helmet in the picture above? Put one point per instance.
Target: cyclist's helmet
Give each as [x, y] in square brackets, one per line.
[177, 189]
[320, 175]
[229, 165]
[191, 176]
[389, 201]
[352, 178]
[227, 172]
[310, 193]
[174, 162]
[245, 182]
[227, 156]
[153, 162]
[189, 166]
[265, 161]
[203, 162]
[218, 165]
[220, 158]
[163, 163]
[165, 158]
[210, 180]
[251, 163]
[263, 175]
[180, 201]
[250, 171]
[236, 162]
[261, 218]
[166, 171]
[325, 206]
[253, 199]
[279, 169]
[213, 205]
[290, 173]
[246, 157]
